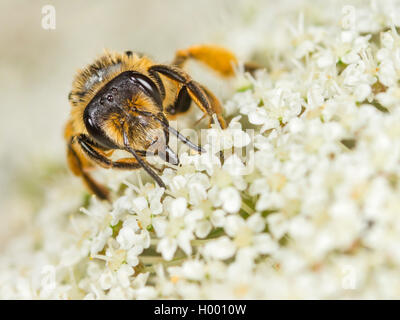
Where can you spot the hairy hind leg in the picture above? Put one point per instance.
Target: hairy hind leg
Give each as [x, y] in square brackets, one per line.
[217, 58]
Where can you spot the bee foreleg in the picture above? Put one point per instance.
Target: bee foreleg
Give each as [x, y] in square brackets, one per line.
[125, 163]
[130, 164]
[101, 159]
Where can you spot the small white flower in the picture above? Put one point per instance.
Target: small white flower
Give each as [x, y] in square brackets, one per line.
[304, 48]
[217, 218]
[167, 247]
[99, 241]
[123, 275]
[132, 255]
[234, 165]
[325, 60]
[139, 204]
[191, 269]
[154, 196]
[178, 207]
[231, 200]
[106, 280]
[220, 249]
[145, 293]
[126, 238]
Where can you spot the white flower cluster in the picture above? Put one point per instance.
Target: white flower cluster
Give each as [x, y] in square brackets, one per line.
[310, 211]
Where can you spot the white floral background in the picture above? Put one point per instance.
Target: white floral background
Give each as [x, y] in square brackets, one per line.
[317, 217]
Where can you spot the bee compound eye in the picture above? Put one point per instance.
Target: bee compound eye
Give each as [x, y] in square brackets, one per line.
[96, 132]
[147, 85]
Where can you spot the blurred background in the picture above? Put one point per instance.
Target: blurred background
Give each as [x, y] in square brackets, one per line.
[37, 67]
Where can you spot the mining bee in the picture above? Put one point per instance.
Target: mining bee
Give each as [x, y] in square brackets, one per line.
[123, 101]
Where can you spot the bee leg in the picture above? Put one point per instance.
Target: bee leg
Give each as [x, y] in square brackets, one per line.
[131, 164]
[101, 159]
[77, 165]
[122, 164]
[142, 153]
[217, 58]
[181, 104]
[203, 98]
[183, 101]
[216, 106]
[99, 156]
[126, 163]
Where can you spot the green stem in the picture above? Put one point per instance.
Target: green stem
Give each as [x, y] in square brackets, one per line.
[165, 264]
[196, 242]
[247, 209]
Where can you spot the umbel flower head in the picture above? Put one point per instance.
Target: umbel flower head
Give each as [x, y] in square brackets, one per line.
[303, 204]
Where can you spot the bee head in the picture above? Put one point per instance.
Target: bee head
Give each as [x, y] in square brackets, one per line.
[127, 111]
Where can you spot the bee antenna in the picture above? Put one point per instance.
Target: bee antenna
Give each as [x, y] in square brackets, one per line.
[185, 140]
[143, 164]
[181, 136]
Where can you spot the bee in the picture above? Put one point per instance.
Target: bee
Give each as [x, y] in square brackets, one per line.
[123, 101]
